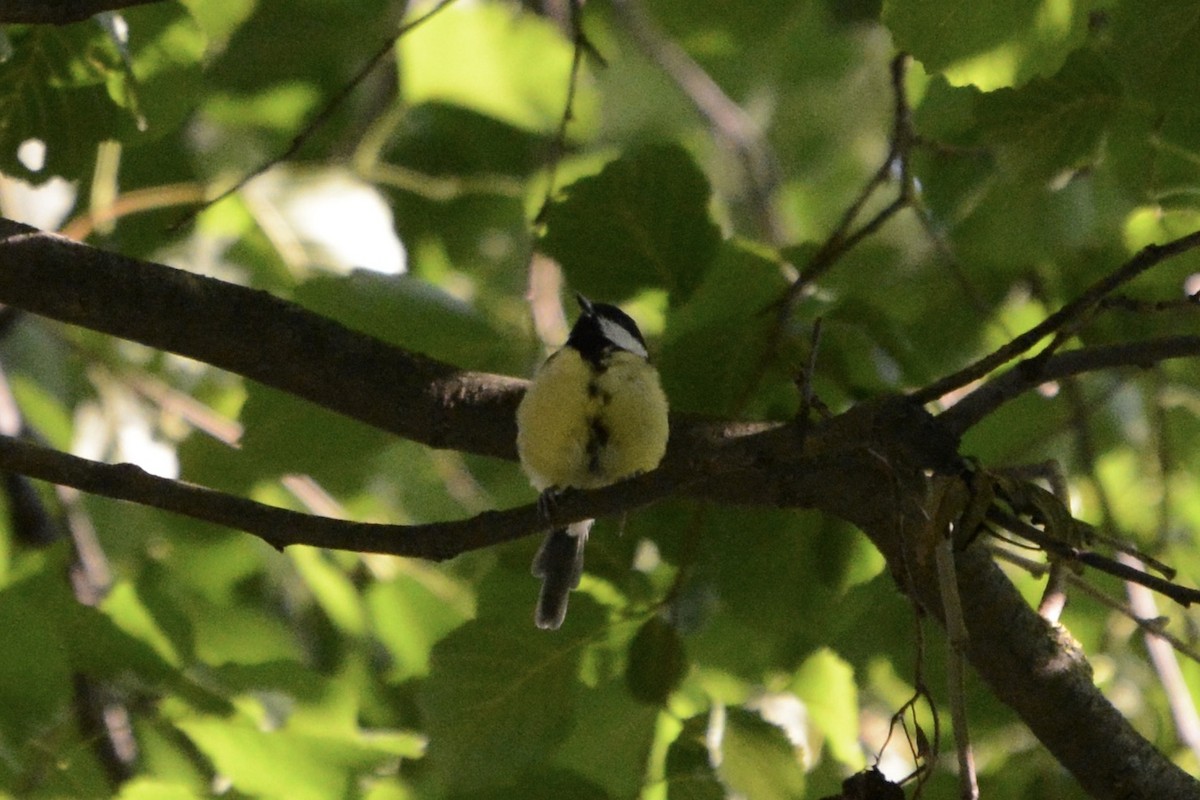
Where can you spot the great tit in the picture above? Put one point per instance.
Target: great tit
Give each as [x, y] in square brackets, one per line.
[595, 413]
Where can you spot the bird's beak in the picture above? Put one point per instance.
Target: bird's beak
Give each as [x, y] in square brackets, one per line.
[584, 304]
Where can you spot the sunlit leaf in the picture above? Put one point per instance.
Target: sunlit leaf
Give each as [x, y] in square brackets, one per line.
[757, 760]
[990, 45]
[493, 59]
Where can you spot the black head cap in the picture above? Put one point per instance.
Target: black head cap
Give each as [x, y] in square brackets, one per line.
[603, 328]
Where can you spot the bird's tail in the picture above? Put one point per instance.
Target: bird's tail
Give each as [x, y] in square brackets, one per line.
[559, 563]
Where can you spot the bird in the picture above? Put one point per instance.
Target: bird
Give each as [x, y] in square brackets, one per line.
[594, 414]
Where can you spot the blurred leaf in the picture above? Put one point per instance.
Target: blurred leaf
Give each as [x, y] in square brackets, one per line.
[491, 58]
[123, 606]
[606, 713]
[286, 435]
[718, 341]
[689, 771]
[500, 696]
[1054, 123]
[52, 89]
[541, 785]
[772, 583]
[409, 616]
[642, 222]
[281, 764]
[1157, 47]
[153, 789]
[165, 49]
[244, 633]
[35, 673]
[826, 685]
[990, 45]
[412, 314]
[757, 760]
[657, 662]
[70, 88]
[332, 588]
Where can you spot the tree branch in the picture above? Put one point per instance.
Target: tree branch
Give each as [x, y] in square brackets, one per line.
[60, 12]
[254, 334]
[1149, 256]
[1033, 372]
[282, 527]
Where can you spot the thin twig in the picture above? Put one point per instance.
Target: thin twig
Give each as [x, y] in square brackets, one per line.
[1142, 604]
[844, 237]
[1180, 594]
[322, 116]
[1032, 373]
[579, 44]
[841, 240]
[727, 119]
[1120, 302]
[1147, 257]
[1151, 626]
[957, 637]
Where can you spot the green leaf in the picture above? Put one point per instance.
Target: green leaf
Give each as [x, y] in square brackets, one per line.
[990, 45]
[126, 610]
[1052, 124]
[1157, 47]
[71, 88]
[657, 662]
[762, 566]
[501, 696]
[606, 713]
[145, 788]
[641, 223]
[165, 50]
[408, 615]
[52, 89]
[487, 57]
[826, 685]
[285, 435]
[717, 342]
[413, 314]
[332, 589]
[282, 764]
[540, 785]
[757, 760]
[35, 673]
[689, 774]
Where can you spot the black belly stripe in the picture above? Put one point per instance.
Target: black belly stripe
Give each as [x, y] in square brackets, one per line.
[595, 392]
[597, 432]
[597, 441]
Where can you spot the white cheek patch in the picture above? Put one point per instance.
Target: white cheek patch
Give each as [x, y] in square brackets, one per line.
[622, 338]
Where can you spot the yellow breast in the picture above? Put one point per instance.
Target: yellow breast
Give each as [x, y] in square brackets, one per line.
[584, 428]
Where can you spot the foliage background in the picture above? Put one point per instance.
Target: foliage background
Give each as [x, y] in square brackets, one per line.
[1055, 139]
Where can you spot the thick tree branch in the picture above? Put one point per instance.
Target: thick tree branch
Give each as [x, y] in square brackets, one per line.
[254, 334]
[60, 12]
